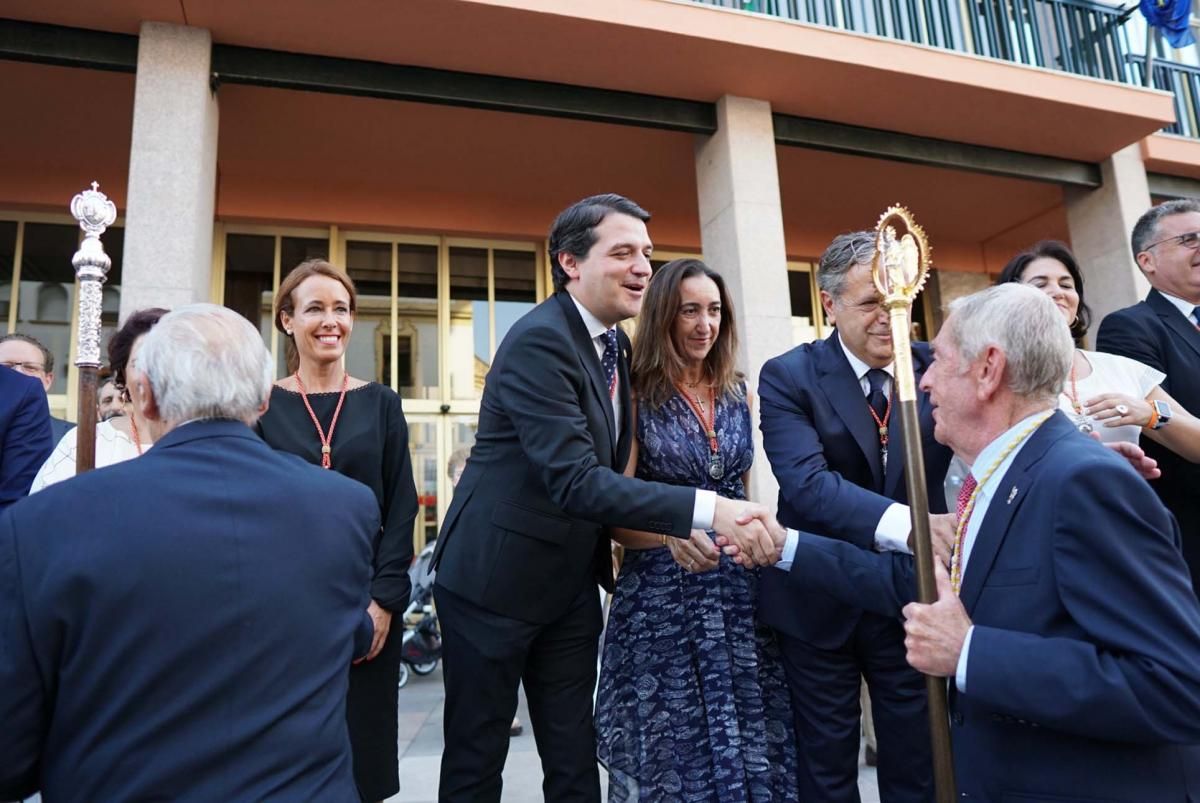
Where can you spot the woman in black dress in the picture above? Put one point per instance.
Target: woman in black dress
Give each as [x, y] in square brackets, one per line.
[357, 428]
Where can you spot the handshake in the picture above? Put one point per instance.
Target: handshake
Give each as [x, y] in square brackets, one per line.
[748, 533]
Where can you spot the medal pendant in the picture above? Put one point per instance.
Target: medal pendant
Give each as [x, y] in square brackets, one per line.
[1082, 424]
[883, 459]
[716, 466]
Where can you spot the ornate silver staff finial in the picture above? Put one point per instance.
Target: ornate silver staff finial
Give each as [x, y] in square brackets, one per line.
[95, 213]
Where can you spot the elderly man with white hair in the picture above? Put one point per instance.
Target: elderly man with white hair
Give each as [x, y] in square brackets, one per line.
[180, 627]
[1066, 622]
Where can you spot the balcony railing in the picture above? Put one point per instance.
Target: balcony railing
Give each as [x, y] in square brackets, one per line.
[1077, 36]
[1183, 82]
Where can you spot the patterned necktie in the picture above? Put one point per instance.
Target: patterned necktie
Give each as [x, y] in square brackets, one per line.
[960, 509]
[608, 361]
[876, 397]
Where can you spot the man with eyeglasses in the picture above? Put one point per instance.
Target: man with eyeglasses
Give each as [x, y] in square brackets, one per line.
[29, 356]
[1162, 332]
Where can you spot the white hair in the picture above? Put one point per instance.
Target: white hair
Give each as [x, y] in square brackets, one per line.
[1023, 323]
[206, 361]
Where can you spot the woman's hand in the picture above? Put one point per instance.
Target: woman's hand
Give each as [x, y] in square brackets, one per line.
[382, 619]
[696, 553]
[1119, 410]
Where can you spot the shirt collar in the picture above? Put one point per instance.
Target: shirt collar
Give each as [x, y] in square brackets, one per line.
[1178, 303]
[590, 321]
[993, 450]
[859, 367]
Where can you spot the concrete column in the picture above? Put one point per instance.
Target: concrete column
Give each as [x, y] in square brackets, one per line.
[741, 230]
[1100, 222]
[172, 171]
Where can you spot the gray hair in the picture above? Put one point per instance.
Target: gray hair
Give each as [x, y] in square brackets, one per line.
[206, 361]
[1023, 323]
[845, 252]
[1145, 231]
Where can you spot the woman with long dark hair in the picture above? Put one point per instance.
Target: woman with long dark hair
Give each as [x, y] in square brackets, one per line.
[692, 703]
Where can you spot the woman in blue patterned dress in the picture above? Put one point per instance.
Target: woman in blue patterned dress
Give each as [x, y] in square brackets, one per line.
[692, 704]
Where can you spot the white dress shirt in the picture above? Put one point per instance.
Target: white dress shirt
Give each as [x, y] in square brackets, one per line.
[983, 500]
[705, 507]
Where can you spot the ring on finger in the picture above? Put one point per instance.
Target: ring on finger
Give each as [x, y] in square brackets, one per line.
[1122, 409]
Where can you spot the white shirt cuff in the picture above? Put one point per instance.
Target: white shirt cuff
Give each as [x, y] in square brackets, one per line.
[704, 510]
[960, 672]
[789, 550]
[891, 534]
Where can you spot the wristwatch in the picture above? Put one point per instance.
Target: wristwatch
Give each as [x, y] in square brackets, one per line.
[1164, 414]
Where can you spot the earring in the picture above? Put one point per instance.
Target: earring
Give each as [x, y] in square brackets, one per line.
[288, 332]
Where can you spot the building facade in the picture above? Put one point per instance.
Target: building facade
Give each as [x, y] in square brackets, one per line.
[425, 146]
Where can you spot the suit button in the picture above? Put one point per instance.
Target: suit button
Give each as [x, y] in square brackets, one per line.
[957, 718]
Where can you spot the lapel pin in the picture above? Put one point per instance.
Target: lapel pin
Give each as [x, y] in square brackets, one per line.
[1012, 494]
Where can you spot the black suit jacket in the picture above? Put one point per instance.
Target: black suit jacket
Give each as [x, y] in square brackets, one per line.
[180, 626]
[1083, 673]
[824, 451]
[1156, 333]
[525, 533]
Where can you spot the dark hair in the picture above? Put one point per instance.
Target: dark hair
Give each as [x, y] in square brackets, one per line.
[1052, 249]
[657, 365]
[47, 357]
[1145, 231]
[574, 233]
[136, 325]
[285, 303]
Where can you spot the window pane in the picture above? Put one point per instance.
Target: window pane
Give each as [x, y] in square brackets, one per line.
[249, 282]
[370, 266]
[114, 246]
[47, 293]
[804, 324]
[8, 248]
[469, 347]
[417, 340]
[516, 289]
[422, 443]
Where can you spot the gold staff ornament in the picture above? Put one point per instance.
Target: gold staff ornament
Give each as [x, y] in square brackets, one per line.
[899, 269]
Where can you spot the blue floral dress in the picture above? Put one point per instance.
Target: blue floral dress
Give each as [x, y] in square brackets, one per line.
[692, 704]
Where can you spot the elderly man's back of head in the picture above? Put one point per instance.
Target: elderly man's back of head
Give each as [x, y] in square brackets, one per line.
[180, 625]
[205, 361]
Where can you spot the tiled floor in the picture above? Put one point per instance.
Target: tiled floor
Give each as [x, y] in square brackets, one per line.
[421, 748]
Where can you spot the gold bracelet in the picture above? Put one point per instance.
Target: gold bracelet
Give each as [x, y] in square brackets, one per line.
[664, 539]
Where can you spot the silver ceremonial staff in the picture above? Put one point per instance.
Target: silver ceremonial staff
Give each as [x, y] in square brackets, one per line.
[95, 213]
[899, 268]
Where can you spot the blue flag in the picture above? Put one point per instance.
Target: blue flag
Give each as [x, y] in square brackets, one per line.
[1172, 17]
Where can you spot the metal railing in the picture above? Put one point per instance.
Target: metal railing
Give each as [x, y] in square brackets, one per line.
[1076, 36]
[1183, 82]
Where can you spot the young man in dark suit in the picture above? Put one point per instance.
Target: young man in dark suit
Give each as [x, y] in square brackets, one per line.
[524, 542]
[180, 626]
[825, 406]
[1161, 332]
[25, 434]
[1066, 624]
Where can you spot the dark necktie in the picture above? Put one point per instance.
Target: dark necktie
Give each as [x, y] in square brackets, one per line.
[608, 361]
[876, 397]
[1196, 317]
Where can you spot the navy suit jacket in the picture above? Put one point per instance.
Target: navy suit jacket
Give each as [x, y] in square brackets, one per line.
[526, 532]
[1155, 333]
[26, 439]
[1083, 677]
[181, 626]
[823, 446]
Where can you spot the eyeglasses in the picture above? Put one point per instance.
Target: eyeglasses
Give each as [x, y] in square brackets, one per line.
[31, 368]
[1191, 241]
